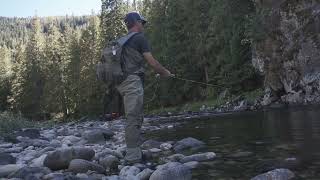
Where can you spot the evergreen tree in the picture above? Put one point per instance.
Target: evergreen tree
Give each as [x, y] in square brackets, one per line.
[89, 89]
[73, 70]
[29, 90]
[5, 77]
[112, 15]
[54, 98]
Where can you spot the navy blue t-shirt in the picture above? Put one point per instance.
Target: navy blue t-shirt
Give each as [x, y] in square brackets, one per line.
[140, 43]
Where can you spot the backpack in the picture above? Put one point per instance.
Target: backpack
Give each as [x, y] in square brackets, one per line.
[111, 68]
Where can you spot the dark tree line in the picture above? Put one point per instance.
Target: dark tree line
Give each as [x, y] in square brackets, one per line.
[47, 65]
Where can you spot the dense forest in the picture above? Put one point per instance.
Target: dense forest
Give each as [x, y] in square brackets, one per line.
[47, 65]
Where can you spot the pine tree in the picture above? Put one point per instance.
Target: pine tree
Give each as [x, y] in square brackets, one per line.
[112, 15]
[28, 90]
[54, 98]
[90, 91]
[5, 77]
[73, 69]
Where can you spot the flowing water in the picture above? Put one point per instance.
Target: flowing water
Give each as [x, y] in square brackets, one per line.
[251, 143]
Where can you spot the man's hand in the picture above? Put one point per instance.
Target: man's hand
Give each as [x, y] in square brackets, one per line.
[167, 75]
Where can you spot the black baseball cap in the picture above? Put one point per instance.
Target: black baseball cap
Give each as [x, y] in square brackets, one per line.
[133, 17]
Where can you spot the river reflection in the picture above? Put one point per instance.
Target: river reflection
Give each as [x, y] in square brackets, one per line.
[282, 138]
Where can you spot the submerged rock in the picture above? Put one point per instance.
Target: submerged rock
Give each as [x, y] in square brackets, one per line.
[188, 144]
[192, 164]
[277, 174]
[199, 157]
[241, 154]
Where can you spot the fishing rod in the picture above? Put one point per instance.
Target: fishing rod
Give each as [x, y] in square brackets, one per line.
[195, 82]
[189, 80]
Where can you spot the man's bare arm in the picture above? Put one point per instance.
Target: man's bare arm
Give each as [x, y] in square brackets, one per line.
[156, 65]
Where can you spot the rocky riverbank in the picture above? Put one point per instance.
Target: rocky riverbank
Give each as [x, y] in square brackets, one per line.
[95, 150]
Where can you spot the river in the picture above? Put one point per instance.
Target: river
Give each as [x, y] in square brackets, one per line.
[251, 143]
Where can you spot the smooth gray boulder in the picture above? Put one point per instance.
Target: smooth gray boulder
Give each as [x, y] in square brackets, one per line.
[98, 135]
[172, 170]
[61, 158]
[129, 171]
[109, 162]
[145, 174]
[83, 166]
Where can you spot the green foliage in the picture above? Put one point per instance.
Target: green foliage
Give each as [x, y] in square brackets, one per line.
[204, 41]
[47, 65]
[89, 89]
[31, 77]
[54, 69]
[112, 14]
[5, 77]
[10, 122]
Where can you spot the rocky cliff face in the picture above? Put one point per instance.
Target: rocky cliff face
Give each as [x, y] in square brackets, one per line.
[289, 55]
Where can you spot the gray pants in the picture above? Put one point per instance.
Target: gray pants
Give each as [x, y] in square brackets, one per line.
[132, 91]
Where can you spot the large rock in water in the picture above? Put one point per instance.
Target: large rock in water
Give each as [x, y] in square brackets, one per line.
[172, 170]
[288, 54]
[61, 158]
[277, 174]
[188, 144]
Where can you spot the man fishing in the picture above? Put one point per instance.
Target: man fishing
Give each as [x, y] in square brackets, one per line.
[136, 51]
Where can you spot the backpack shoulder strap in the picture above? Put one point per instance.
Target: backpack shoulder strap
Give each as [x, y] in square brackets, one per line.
[122, 41]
